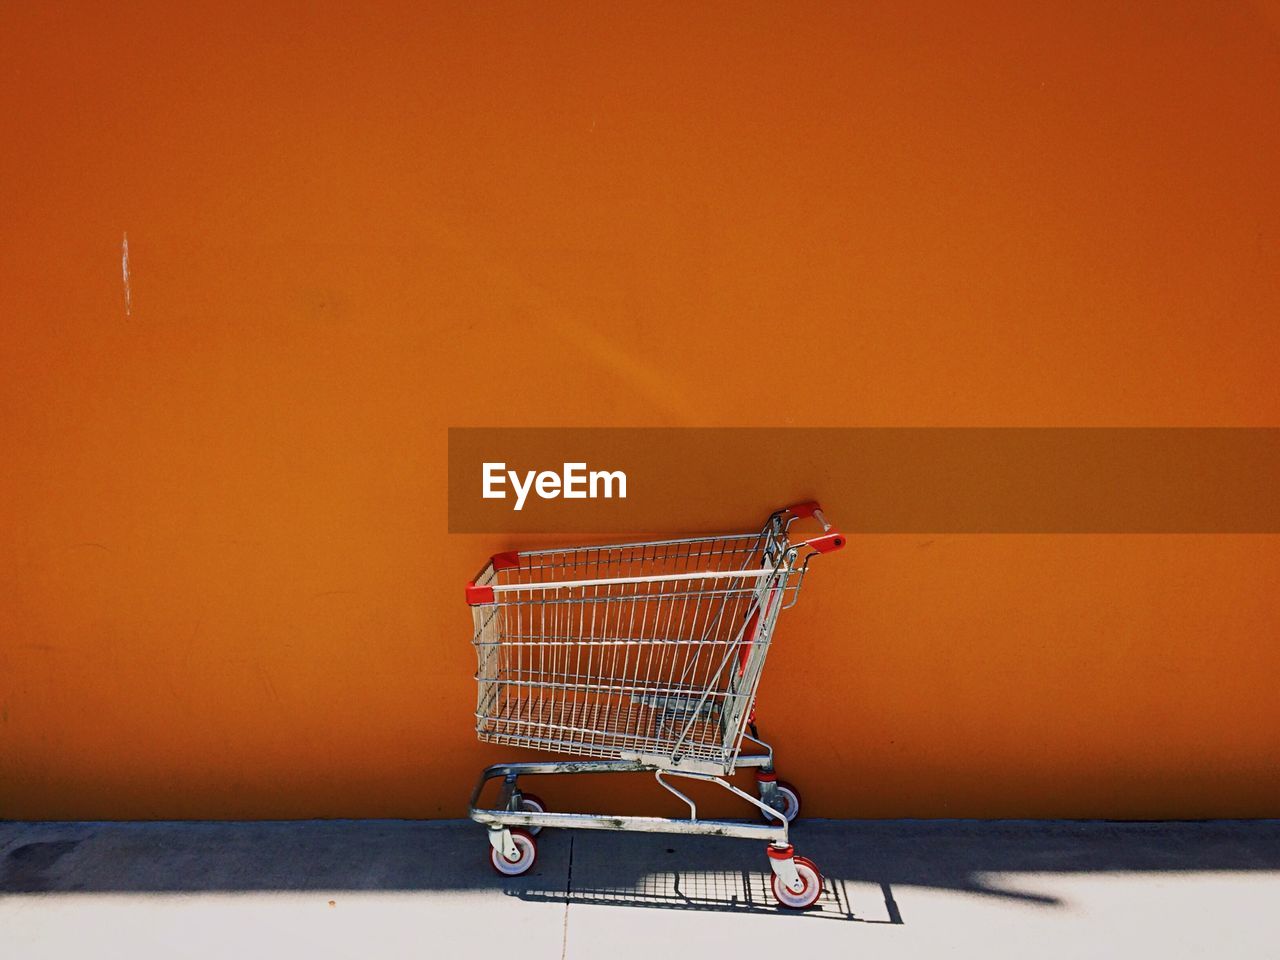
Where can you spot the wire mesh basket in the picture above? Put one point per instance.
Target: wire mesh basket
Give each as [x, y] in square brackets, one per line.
[648, 651]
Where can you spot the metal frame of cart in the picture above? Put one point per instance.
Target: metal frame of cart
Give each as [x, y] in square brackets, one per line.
[634, 658]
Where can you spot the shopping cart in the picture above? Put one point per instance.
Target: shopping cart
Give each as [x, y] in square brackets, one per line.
[639, 657]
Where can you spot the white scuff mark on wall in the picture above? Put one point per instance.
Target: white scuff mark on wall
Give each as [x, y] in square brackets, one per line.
[124, 270]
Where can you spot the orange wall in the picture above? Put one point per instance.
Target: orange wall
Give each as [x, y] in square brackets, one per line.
[226, 586]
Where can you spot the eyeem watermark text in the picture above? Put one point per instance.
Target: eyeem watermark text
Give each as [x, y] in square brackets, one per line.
[573, 482]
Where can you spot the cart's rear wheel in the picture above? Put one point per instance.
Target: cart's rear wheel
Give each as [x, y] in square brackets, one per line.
[526, 854]
[790, 798]
[532, 803]
[808, 895]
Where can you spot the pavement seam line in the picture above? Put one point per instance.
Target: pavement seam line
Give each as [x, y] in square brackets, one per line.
[568, 888]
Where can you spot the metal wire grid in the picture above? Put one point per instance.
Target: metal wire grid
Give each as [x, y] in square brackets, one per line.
[663, 669]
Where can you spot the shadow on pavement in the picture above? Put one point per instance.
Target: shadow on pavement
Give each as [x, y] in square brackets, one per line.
[862, 861]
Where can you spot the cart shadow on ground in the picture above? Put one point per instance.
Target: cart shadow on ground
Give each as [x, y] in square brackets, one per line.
[689, 873]
[867, 864]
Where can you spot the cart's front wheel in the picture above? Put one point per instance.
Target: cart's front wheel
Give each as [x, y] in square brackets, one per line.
[526, 854]
[790, 798]
[809, 892]
[532, 803]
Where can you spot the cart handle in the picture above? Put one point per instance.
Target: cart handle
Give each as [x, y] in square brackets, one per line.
[830, 540]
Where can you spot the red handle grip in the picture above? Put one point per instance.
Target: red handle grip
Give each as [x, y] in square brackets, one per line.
[830, 540]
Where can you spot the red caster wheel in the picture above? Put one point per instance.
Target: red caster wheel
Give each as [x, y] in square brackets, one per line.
[790, 798]
[526, 854]
[808, 894]
[532, 803]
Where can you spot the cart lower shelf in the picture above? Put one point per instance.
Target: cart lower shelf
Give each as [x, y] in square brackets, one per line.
[518, 817]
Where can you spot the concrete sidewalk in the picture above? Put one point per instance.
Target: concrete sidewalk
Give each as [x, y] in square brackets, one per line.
[371, 889]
